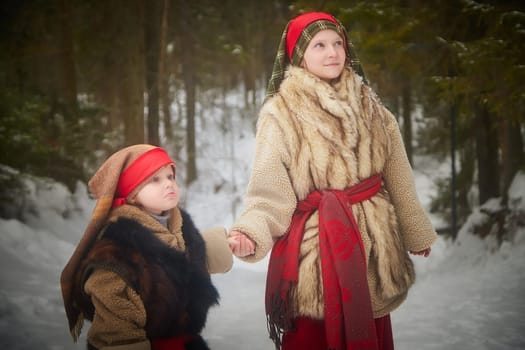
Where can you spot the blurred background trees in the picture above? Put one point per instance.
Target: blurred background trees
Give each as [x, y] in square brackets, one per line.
[80, 79]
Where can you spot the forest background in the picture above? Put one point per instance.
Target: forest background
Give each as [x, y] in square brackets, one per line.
[80, 79]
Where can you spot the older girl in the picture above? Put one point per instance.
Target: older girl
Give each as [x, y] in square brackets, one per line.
[332, 194]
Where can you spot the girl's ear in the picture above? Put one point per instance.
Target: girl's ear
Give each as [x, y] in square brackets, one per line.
[303, 64]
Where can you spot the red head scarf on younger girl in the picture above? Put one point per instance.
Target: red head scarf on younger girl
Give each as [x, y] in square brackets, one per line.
[138, 171]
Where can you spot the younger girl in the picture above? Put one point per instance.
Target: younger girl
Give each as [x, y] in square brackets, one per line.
[140, 273]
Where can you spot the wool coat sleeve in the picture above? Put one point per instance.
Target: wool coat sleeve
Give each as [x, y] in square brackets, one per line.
[270, 201]
[415, 226]
[218, 253]
[120, 317]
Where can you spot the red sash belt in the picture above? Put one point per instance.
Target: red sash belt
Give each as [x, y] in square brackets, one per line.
[349, 321]
[174, 343]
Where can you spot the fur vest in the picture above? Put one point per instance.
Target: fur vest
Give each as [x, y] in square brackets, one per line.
[313, 135]
[173, 284]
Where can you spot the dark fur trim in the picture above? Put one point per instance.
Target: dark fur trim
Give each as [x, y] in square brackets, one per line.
[177, 292]
[195, 245]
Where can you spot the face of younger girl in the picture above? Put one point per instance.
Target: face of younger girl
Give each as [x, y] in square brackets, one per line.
[160, 193]
[325, 55]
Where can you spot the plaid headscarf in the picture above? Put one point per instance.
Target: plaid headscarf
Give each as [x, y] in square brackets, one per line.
[295, 38]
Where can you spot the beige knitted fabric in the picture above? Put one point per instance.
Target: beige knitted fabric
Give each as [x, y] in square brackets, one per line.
[312, 135]
[218, 252]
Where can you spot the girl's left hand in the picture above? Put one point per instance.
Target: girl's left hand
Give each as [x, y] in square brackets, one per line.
[425, 252]
[240, 244]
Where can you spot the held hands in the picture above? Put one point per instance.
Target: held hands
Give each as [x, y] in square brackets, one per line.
[240, 244]
[425, 252]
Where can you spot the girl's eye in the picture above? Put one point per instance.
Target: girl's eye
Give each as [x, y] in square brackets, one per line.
[339, 43]
[319, 45]
[171, 177]
[155, 179]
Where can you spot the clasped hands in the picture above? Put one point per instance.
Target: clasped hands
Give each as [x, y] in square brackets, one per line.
[425, 252]
[240, 244]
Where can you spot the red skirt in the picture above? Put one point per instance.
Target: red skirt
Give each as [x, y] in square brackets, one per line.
[309, 334]
[170, 343]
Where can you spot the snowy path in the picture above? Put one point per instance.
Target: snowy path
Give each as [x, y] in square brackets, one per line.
[468, 295]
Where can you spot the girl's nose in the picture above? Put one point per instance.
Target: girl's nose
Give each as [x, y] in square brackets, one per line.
[332, 50]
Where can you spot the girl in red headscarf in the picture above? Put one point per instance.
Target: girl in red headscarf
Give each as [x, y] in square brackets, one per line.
[141, 272]
[332, 195]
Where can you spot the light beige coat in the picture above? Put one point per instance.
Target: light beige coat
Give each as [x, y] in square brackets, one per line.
[314, 136]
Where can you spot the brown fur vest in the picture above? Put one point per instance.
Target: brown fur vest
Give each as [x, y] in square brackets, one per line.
[174, 286]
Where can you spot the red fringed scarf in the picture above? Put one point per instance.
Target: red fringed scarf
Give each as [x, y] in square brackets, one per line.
[349, 321]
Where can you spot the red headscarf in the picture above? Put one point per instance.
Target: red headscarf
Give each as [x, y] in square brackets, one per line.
[138, 171]
[297, 25]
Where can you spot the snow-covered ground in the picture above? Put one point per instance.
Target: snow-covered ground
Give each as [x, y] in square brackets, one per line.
[468, 294]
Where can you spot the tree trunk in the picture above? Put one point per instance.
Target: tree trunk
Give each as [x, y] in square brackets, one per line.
[164, 74]
[68, 82]
[487, 154]
[465, 177]
[189, 85]
[152, 21]
[407, 120]
[512, 157]
[131, 100]
[188, 69]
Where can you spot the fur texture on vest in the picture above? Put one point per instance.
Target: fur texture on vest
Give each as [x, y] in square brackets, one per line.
[174, 285]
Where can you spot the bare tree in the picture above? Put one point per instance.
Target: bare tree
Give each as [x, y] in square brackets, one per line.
[512, 155]
[486, 136]
[164, 73]
[152, 36]
[68, 85]
[187, 40]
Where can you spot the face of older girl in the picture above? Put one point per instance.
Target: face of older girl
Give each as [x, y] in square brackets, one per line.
[325, 55]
